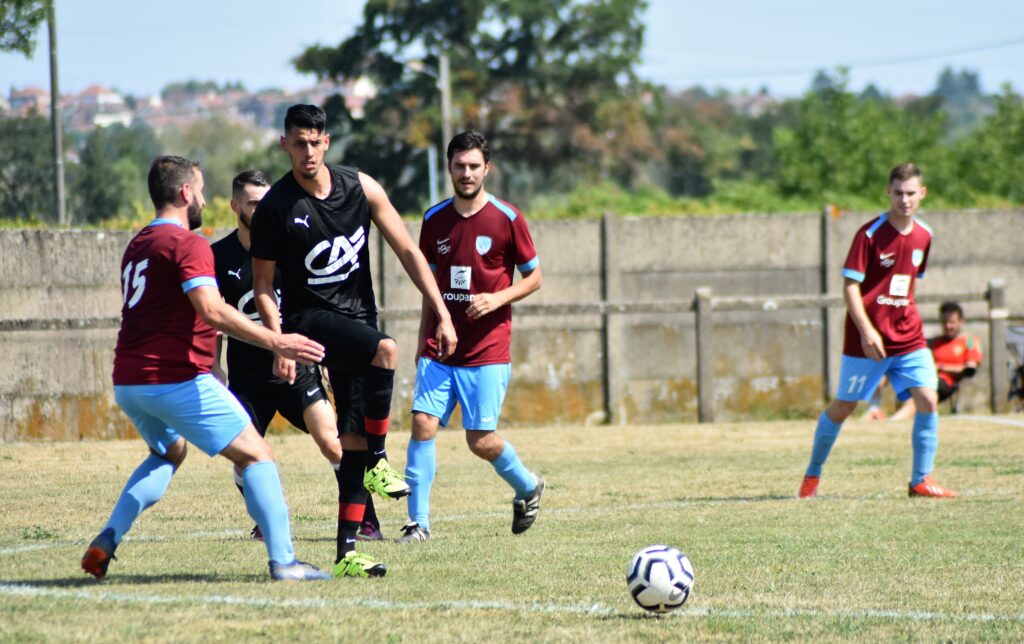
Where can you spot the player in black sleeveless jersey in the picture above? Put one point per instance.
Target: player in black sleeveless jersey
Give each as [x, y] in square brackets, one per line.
[314, 225]
[250, 374]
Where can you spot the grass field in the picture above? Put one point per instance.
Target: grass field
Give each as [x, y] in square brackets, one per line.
[861, 562]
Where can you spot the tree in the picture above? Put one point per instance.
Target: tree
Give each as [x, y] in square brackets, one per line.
[842, 145]
[552, 84]
[19, 22]
[988, 161]
[111, 174]
[25, 168]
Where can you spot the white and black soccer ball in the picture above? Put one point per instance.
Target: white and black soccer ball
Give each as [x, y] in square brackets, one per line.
[660, 578]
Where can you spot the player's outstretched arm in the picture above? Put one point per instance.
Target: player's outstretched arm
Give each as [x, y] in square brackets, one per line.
[217, 313]
[870, 339]
[484, 303]
[390, 225]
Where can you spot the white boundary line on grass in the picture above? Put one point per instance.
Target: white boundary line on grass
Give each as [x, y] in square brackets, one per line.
[989, 419]
[27, 590]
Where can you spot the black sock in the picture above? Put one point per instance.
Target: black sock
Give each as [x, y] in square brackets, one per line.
[378, 384]
[370, 515]
[352, 497]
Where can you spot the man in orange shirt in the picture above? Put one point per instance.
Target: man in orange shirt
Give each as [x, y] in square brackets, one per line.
[957, 356]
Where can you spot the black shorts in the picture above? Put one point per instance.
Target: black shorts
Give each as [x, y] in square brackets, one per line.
[263, 401]
[946, 390]
[350, 344]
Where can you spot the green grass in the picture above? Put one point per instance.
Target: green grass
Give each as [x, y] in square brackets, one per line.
[861, 562]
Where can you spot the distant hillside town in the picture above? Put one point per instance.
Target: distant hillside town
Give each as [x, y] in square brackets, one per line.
[179, 104]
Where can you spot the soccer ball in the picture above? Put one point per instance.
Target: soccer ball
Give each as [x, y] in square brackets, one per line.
[660, 578]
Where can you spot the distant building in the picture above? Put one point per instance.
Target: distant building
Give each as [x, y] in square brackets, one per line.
[97, 106]
[28, 100]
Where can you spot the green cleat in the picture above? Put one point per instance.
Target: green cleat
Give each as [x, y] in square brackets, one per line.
[385, 481]
[357, 564]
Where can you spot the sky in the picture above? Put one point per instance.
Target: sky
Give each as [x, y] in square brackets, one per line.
[139, 46]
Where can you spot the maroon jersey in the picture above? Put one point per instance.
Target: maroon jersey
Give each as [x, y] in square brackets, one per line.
[162, 339]
[887, 265]
[471, 255]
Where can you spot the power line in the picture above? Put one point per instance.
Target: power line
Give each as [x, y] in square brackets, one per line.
[861, 64]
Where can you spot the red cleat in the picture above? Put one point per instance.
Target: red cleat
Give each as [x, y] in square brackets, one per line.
[928, 487]
[809, 488]
[97, 557]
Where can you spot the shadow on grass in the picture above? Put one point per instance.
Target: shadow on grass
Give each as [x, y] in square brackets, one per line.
[115, 581]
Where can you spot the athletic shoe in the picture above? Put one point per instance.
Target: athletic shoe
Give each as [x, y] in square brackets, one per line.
[256, 534]
[809, 488]
[385, 481]
[525, 511]
[412, 532]
[99, 553]
[928, 487]
[357, 564]
[296, 571]
[369, 532]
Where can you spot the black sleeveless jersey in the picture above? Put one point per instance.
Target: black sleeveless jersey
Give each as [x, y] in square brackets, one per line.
[249, 366]
[320, 245]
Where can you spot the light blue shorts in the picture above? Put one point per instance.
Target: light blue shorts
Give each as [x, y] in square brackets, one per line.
[202, 410]
[479, 391]
[858, 377]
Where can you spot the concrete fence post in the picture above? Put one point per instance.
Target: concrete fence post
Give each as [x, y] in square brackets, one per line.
[705, 355]
[998, 359]
[611, 323]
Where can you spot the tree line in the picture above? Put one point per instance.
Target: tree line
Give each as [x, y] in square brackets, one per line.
[574, 130]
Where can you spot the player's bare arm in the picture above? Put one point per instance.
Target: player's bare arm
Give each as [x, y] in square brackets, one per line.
[390, 225]
[217, 313]
[270, 315]
[217, 370]
[484, 303]
[870, 339]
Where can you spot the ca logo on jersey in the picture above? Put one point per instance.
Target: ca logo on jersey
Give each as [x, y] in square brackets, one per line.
[252, 312]
[483, 244]
[344, 252]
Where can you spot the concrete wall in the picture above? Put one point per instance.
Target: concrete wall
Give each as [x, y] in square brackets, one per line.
[56, 383]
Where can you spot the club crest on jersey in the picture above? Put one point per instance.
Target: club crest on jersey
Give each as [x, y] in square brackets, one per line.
[483, 244]
[444, 246]
[917, 257]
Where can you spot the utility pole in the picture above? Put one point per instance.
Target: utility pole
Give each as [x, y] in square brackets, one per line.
[444, 83]
[56, 126]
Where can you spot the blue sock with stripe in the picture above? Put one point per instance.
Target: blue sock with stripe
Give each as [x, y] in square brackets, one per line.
[264, 499]
[420, 468]
[925, 440]
[145, 487]
[824, 437]
[511, 469]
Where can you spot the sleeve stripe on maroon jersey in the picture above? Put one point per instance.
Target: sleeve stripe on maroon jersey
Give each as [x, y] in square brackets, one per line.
[878, 224]
[433, 209]
[503, 207]
[203, 280]
[856, 276]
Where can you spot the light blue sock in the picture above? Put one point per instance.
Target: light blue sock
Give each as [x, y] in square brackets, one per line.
[264, 499]
[509, 467]
[925, 439]
[824, 437]
[145, 487]
[420, 468]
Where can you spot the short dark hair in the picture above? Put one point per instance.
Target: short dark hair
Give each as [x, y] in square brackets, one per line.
[305, 117]
[471, 140]
[247, 178]
[167, 174]
[951, 307]
[905, 172]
